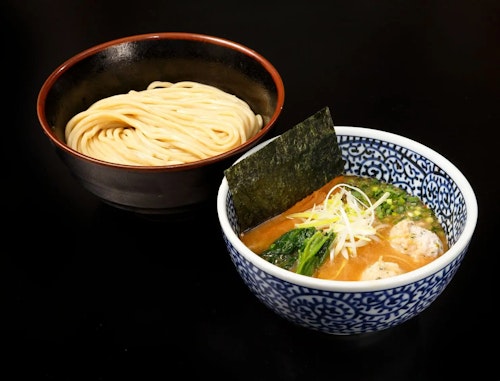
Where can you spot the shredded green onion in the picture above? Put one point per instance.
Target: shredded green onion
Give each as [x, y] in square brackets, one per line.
[349, 217]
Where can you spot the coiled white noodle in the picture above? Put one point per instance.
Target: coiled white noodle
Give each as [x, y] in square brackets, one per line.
[166, 124]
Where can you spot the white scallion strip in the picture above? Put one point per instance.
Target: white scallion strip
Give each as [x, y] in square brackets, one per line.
[351, 219]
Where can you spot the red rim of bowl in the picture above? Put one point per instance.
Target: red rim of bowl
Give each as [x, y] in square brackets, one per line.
[54, 76]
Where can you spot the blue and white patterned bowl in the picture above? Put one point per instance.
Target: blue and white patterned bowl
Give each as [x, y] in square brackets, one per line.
[346, 308]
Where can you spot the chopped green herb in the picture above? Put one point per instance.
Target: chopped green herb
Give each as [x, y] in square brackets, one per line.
[399, 205]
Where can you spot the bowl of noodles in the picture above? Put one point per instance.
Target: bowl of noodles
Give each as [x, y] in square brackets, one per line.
[147, 123]
[365, 248]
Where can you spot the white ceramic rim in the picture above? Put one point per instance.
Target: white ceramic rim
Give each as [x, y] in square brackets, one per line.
[368, 285]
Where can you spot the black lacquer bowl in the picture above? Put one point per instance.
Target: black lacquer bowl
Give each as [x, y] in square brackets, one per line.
[133, 62]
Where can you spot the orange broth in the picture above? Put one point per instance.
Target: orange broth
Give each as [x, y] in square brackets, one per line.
[262, 236]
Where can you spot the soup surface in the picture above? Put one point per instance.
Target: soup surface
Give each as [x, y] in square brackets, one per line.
[369, 230]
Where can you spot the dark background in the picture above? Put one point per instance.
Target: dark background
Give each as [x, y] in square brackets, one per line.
[89, 292]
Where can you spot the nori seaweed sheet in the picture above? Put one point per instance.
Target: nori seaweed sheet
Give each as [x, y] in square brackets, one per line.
[286, 170]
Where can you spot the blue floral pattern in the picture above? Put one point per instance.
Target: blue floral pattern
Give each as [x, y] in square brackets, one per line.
[370, 311]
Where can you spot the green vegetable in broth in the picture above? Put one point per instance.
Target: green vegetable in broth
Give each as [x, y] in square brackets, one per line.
[301, 250]
[314, 252]
[284, 252]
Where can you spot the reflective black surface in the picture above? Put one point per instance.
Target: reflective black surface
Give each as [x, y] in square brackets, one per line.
[90, 292]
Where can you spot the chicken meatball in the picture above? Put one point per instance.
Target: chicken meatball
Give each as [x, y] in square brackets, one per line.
[409, 238]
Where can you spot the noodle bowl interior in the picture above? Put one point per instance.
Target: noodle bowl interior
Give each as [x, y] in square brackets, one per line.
[379, 231]
[165, 124]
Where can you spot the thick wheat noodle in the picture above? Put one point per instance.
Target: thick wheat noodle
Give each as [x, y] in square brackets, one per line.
[166, 124]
